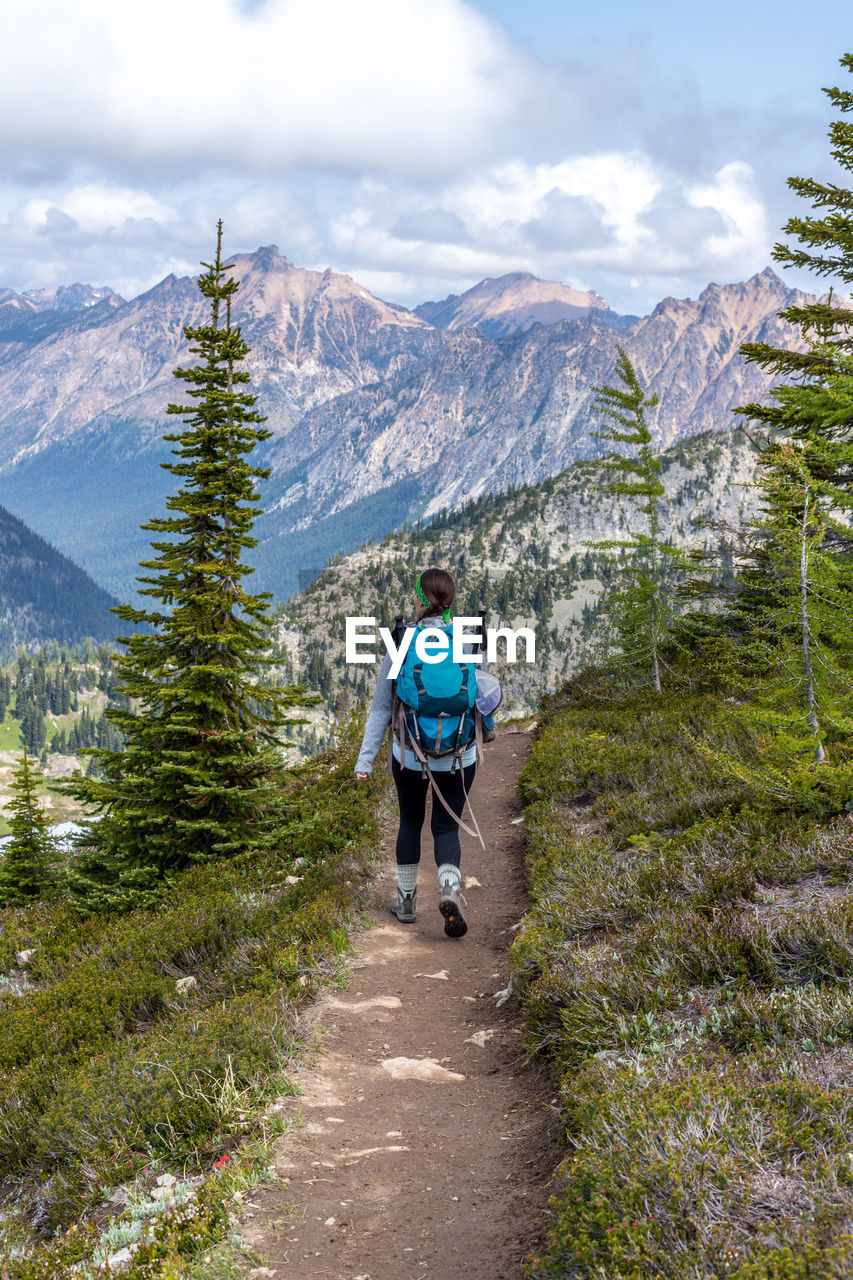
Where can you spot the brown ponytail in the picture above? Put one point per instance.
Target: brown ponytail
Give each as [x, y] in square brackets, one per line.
[439, 588]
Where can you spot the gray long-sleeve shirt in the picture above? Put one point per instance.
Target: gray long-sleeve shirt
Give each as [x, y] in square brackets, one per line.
[379, 719]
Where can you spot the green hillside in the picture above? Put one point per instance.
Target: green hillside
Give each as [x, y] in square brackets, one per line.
[522, 558]
[44, 595]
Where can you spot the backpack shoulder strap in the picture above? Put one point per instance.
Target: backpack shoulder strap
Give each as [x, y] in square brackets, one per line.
[398, 630]
[395, 727]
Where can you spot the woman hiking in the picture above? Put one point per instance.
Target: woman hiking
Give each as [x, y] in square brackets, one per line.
[451, 772]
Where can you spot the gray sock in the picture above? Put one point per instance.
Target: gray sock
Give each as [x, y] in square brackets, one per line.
[448, 871]
[407, 876]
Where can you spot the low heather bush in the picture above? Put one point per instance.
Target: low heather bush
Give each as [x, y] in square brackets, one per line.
[686, 968]
[106, 1068]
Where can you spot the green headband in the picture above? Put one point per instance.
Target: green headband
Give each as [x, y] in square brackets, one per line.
[424, 598]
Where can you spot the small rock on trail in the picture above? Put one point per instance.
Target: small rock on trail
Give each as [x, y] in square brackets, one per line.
[420, 1069]
[425, 1148]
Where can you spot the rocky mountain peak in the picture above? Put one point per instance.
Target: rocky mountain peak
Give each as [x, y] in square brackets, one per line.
[511, 303]
[268, 258]
[767, 279]
[300, 300]
[742, 301]
[71, 297]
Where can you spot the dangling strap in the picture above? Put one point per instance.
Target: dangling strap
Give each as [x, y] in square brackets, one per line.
[478, 737]
[398, 713]
[475, 831]
[470, 810]
[398, 718]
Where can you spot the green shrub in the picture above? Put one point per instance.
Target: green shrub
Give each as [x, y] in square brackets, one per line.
[685, 967]
[105, 1067]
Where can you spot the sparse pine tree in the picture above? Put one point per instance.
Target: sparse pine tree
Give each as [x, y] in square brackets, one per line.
[800, 692]
[199, 775]
[643, 608]
[24, 872]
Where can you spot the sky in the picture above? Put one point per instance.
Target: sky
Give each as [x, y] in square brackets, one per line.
[640, 150]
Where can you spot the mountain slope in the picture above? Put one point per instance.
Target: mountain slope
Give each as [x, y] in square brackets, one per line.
[82, 409]
[513, 303]
[313, 335]
[44, 595]
[28, 319]
[523, 557]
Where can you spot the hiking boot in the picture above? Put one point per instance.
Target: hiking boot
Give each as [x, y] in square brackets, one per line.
[403, 906]
[450, 903]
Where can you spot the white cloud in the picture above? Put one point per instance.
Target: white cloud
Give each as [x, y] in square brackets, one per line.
[93, 207]
[404, 141]
[733, 193]
[501, 202]
[614, 221]
[613, 214]
[419, 86]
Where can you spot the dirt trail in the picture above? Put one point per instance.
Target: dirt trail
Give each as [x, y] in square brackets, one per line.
[425, 1151]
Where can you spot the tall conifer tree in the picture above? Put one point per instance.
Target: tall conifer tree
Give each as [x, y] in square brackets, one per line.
[818, 397]
[197, 779]
[814, 401]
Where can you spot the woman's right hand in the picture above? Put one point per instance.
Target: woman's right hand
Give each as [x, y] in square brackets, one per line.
[362, 777]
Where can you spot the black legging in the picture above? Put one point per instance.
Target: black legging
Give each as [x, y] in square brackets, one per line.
[412, 789]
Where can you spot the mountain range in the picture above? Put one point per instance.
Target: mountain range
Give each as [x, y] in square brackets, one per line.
[378, 414]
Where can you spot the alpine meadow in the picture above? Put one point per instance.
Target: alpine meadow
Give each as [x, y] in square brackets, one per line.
[616, 1043]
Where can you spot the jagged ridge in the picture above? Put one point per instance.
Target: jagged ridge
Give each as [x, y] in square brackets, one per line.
[376, 415]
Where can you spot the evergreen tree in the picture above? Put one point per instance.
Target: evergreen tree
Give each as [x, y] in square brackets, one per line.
[814, 401]
[801, 637]
[818, 397]
[197, 779]
[816, 408]
[24, 860]
[643, 607]
[33, 732]
[813, 405]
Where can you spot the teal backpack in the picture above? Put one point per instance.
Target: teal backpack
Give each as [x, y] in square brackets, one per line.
[437, 703]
